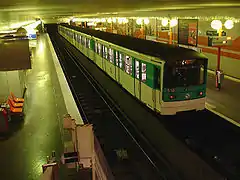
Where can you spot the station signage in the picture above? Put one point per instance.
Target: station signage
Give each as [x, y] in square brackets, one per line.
[165, 28]
[151, 38]
[215, 33]
[219, 41]
[211, 33]
[32, 36]
[188, 32]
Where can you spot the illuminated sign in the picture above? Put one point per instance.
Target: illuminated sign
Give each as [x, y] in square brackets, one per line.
[32, 36]
[219, 41]
[215, 33]
[165, 28]
[188, 32]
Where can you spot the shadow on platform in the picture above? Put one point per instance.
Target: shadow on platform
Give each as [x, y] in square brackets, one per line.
[14, 126]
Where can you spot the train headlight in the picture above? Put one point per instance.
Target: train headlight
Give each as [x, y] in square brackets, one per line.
[171, 90]
[201, 93]
[172, 97]
[187, 96]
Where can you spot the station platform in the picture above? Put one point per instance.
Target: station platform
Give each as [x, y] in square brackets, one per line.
[47, 100]
[224, 102]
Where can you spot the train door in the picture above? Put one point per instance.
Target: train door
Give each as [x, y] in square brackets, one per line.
[137, 79]
[117, 69]
[156, 86]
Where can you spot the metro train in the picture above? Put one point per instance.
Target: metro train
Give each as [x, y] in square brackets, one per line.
[167, 78]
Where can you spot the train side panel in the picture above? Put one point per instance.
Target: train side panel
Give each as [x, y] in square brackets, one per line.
[147, 88]
[127, 82]
[110, 68]
[140, 90]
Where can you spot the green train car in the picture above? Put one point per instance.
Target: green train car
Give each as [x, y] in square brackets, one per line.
[167, 78]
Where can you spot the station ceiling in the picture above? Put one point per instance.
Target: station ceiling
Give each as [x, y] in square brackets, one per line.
[21, 10]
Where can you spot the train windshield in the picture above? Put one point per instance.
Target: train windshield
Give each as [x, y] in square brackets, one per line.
[184, 73]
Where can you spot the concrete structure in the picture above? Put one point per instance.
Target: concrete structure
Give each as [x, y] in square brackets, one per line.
[12, 81]
[15, 60]
[47, 100]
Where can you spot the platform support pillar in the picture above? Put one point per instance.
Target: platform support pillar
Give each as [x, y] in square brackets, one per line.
[170, 33]
[218, 58]
[219, 73]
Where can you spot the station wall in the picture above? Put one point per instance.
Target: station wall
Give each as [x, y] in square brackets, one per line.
[12, 81]
[230, 56]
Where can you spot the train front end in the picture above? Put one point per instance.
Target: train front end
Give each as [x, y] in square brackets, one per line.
[184, 86]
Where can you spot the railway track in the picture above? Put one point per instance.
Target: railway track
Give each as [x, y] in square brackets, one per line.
[119, 140]
[211, 137]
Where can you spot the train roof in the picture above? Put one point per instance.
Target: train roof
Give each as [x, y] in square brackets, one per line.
[167, 52]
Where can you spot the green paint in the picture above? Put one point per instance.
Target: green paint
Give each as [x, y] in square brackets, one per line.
[92, 44]
[150, 74]
[181, 92]
[157, 77]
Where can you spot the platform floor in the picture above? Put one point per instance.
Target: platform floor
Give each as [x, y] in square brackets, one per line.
[226, 101]
[25, 150]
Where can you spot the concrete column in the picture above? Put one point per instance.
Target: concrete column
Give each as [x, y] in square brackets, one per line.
[4, 86]
[156, 28]
[15, 82]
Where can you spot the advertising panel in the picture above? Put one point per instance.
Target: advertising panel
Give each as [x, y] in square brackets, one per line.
[188, 32]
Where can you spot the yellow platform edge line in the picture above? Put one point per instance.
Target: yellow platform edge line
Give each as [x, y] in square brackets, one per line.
[221, 115]
[225, 76]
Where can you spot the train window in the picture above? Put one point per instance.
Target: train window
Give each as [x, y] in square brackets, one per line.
[201, 74]
[111, 55]
[96, 47]
[105, 52]
[144, 72]
[88, 43]
[121, 60]
[80, 39]
[128, 65]
[184, 75]
[99, 49]
[116, 56]
[83, 40]
[157, 78]
[85, 43]
[137, 70]
[75, 37]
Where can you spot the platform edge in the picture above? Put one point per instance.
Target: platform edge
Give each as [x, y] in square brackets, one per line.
[70, 103]
[208, 107]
